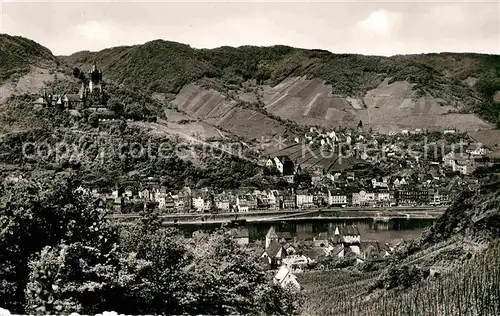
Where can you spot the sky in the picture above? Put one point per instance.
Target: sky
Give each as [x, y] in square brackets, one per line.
[363, 27]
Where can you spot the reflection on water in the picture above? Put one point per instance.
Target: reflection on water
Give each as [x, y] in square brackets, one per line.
[370, 229]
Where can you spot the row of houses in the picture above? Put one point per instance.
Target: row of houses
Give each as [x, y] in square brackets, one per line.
[404, 196]
[205, 200]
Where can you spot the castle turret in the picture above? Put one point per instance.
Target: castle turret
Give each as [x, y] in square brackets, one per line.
[95, 76]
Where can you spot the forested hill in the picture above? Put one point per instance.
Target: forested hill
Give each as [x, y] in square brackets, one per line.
[17, 54]
[162, 66]
[308, 87]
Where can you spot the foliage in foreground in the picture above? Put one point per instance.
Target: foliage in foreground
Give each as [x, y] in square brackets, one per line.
[58, 254]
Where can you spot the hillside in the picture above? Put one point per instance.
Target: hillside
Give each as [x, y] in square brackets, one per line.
[26, 67]
[18, 54]
[452, 269]
[312, 87]
[255, 92]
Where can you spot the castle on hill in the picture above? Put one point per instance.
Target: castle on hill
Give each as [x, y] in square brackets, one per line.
[91, 93]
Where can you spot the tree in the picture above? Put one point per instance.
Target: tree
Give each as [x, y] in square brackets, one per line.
[224, 281]
[59, 254]
[93, 120]
[134, 111]
[116, 106]
[303, 179]
[212, 277]
[36, 213]
[167, 254]
[74, 278]
[278, 301]
[95, 97]
[76, 72]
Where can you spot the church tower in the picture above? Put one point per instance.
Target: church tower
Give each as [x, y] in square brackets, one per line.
[95, 82]
[271, 236]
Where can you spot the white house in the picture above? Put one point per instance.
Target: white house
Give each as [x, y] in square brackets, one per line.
[337, 199]
[271, 199]
[161, 202]
[207, 205]
[128, 193]
[350, 235]
[241, 204]
[297, 260]
[222, 205]
[269, 163]
[285, 278]
[380, 184]
[279, 164]
[480, 150]
[383, 196]
[369, 197]
[198, 203]
[304, 199]
[358, 198]
[400, 182]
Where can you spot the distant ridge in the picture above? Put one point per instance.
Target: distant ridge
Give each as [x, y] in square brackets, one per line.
[281, 84]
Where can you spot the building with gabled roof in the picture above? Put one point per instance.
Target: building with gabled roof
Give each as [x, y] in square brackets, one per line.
[350, 234]
[304, 199]
[284, 165]
[274, 253]
[286, 279]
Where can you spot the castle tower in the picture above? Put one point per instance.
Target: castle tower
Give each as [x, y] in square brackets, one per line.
[82, 91]
[95, 76]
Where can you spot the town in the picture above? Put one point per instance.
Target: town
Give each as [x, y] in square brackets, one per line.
[356, 169]
[286, 255]
[410, 186]
[322, 168]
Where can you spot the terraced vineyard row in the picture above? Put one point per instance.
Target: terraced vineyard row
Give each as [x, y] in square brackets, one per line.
[325, 291]
[472, 289]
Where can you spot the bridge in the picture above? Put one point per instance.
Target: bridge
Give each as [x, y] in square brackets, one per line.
[290, 215]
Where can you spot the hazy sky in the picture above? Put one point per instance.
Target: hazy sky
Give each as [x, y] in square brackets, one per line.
[366, 27]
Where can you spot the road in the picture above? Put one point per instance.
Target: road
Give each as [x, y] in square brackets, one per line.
[292, 215]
